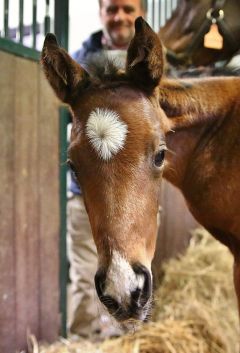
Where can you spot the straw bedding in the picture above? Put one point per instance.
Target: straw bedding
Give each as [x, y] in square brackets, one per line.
[195, 309]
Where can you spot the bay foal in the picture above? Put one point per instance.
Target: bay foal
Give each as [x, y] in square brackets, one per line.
[130, 128]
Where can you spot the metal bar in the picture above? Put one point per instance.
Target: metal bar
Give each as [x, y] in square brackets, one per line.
[61, 22]
[47, 19]
[34, 23]
[18, 49]
[63, 144]
[163, 10]
[166, 12]
[153, 14]
[147, 17]
[6, 18]
[21, 29]
[158, 15]
[27, 31]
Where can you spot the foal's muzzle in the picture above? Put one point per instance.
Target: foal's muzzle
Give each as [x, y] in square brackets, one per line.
[133, 305]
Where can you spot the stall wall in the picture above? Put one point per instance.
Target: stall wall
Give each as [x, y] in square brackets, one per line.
[29, 207]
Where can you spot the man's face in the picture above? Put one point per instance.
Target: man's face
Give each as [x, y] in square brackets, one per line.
[118, 18]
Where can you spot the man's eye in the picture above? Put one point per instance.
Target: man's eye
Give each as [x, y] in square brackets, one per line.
[129, 9]
[111, 10]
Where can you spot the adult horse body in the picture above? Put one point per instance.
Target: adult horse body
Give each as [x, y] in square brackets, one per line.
[129, 129]
[183, 34]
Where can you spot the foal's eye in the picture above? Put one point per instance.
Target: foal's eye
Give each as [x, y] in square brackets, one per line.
[159, 158]
[71, 166]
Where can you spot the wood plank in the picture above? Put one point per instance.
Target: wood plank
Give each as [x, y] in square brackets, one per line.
[26, 200]
[49, 211]
[7, 246]
[29, 187]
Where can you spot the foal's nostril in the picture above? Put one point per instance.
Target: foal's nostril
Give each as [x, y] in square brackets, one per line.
[100, 281]
[142, 293]
[110, 303]
[127, 297]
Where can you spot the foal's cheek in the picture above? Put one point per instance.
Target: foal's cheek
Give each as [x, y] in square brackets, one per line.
[151, 240]
[151, 246]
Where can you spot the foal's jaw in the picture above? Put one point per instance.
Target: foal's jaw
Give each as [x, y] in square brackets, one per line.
[125, 290]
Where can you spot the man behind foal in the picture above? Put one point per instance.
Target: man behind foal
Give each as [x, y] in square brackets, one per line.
[117, 18]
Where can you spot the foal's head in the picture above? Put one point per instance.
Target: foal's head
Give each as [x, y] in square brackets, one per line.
[117, 154]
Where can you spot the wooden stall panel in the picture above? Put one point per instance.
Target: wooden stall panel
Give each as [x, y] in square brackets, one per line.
[49, 210]
[29, 208]
[7, 235]
[26, 191]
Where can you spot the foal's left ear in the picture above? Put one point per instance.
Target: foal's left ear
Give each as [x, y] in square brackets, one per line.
[145, 57]
[64, 74]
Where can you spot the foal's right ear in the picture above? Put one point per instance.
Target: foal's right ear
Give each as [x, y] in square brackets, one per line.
[63, 73]
[145, 57]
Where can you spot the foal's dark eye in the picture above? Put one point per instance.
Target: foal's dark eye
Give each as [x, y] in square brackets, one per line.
[159, 158]
[73, 171]
[71, 166]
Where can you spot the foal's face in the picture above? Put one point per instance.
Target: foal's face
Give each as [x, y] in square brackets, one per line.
[117, 152]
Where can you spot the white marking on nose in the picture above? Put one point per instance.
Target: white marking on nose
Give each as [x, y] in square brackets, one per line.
[106, 132]
[121, 280]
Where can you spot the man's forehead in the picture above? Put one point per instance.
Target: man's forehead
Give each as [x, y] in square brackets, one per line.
[121, 3]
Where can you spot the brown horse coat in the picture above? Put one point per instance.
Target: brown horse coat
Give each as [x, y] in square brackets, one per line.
[183, 34]
[124, 124]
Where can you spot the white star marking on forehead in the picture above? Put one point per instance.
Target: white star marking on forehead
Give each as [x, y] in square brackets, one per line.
[106, 132]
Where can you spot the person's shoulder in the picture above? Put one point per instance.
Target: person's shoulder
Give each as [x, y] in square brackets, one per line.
[90, 45]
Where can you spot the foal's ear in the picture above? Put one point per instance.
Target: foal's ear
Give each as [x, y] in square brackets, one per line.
[63, 73]
[145, 57]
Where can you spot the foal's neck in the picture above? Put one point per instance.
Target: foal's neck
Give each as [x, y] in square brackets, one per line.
[196, 110]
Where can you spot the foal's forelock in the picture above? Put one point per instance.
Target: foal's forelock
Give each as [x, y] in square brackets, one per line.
[106, 132]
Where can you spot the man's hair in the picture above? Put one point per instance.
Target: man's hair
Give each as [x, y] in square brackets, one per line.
[143, 4]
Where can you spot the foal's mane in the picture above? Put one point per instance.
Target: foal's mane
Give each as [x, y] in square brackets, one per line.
[192, 101]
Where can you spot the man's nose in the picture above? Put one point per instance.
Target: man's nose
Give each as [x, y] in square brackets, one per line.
[119, 15]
